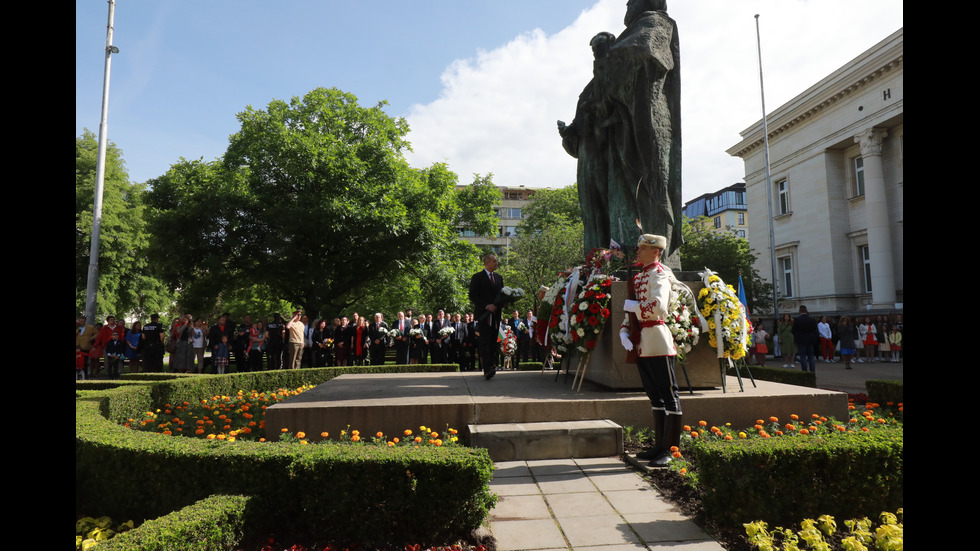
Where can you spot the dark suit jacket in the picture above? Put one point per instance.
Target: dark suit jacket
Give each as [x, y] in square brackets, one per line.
[483, 292]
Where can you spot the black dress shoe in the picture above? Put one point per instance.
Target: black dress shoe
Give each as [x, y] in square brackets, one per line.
[490, 373]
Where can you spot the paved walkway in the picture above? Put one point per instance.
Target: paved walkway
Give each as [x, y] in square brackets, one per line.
[596, 504]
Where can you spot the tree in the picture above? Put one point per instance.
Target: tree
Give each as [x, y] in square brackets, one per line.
[552, 207]
[548, 241]
[729, 255]
[126, 284]
[314, 201]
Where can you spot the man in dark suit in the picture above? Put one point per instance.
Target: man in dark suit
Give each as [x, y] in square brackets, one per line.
[484, 286]
[806, 337]
[455, 341]
[378, 333]
[469, 343]
[439, 344]
[403, 325]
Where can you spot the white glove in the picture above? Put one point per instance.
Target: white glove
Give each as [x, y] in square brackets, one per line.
[625, 339]
[631, 306]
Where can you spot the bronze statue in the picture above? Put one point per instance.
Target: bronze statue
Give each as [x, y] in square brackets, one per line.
[627, 132]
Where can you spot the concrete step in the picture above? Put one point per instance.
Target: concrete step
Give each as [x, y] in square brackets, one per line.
[548, 440]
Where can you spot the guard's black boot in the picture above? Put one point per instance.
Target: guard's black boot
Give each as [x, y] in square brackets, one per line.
[672, 437]
[658, 437]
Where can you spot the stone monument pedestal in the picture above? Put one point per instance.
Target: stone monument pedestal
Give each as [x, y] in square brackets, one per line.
[608, 366]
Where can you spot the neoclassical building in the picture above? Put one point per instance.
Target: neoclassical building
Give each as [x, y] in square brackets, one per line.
[836, 160]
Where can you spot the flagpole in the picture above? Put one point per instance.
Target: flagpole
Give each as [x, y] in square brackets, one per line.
[765, 139]
[92, 286]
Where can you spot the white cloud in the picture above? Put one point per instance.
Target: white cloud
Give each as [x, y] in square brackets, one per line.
[497, 110]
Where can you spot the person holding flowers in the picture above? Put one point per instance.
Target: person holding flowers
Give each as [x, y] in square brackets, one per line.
[656, 347]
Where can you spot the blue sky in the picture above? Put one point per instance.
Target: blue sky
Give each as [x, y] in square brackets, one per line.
[480, 83]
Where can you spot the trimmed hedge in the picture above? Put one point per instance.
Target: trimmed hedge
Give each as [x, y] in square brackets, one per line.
[883, 392]
[781, 480]
[779, 375]
[216, 523]
[338, 492]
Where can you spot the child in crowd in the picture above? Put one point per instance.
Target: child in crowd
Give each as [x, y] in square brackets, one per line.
[80, 359]
[115, 351]
[220, 356]
[895, 343]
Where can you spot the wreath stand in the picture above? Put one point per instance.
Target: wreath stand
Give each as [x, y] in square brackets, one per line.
[722, 365]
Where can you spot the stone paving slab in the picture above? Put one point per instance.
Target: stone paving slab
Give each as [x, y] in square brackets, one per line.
[594, 504]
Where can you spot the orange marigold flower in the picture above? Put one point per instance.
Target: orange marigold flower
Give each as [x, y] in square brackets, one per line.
[774, 419]
[687, 428]
[865, 429]
[395, 440]
[815, 416]
[284, 429]
[728, 437]
[379, 434]
[674, 448]
[300, 435]
[804, 431]
[408, 432]
[790, 427]
[355, 438]
[324, 434]
[794, 417]
[683, 471]
[703, 423]
[676, 454]
[779, 433]
[418, 439]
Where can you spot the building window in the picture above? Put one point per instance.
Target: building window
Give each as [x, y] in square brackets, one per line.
[858, 176]
[782, 197]
[786, 268]
[741, 233]
[865, 255]
[741, 219]
[717, 222]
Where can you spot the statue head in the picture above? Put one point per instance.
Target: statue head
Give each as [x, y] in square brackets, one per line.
[636, 7]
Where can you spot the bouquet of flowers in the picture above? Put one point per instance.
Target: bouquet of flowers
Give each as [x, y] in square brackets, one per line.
[394, 334]
[590, 312]
[508, 341]
[684, 322]
[605, 261]
[725, 315]
[558, 324]
[327, 343]
[547, 303]
[415, 332]
[446, 331]
[504, 297]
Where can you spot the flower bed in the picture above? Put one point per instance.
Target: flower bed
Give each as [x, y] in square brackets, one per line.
[324, 492]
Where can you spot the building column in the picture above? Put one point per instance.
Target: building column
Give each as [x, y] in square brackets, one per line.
[879, 228]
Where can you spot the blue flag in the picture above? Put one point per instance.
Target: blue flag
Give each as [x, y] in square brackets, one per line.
[741, 295]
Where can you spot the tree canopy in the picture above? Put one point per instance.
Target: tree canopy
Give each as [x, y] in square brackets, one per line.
[548, 241]
[314, 201]
[125, 282]
[728, 255]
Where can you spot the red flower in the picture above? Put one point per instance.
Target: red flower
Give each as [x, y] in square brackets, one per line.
[589, 294]
[600, 296]
[590, 344]
[593, 320]
[605, 312]
[606, 282]
[594, 308]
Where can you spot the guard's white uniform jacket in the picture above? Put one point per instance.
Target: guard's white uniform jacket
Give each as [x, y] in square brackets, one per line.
[653, 289]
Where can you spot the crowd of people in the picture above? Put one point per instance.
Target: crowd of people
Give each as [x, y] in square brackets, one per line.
[847, 339]
[195, 346]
